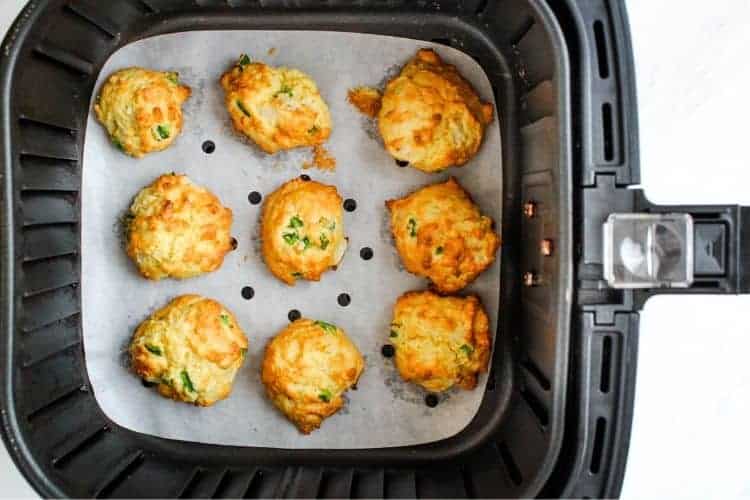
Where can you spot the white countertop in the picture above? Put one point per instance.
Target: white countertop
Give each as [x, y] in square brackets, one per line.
[689, 436]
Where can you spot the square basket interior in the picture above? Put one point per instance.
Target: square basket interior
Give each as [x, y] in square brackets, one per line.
[61, 439]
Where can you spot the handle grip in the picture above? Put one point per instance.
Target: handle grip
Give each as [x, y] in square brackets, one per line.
[721, 246]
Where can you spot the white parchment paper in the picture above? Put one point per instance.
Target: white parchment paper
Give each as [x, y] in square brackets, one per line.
[383, 411]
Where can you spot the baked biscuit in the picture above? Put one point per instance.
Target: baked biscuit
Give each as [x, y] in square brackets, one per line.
[306, 370]
[441, 234]
[302, 229]
[440, 341]
[277, 108]
[430, 116]
[191, 349]
[177, 229]
[142, 109]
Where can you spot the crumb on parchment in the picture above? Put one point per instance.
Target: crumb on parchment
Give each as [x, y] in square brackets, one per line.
[322, 160]
[365, 99]
[272, 51]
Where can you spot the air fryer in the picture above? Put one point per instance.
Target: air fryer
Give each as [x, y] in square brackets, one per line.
[555, 417]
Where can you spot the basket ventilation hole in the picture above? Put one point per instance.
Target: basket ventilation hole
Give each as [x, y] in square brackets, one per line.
[64, 59]
[388, 351]
[598, 448]
[304, 177]
[294, 315]
[322, 492]
[354, 485]
[224, 483]
[431, 400]
[147, 7]
[607, 132]
[248, 293]
[481, 7]
[510, 464]
[54, 404]
[366, 253]
[79, 448]
[188, 491]
[350, 205]
[402, 163]
[537, 373]
[536, 406]
[468, 483]
[233, 242]
[344, 299]
[606, 364]
[86, 14]
[601, 49]
[254, 488]
[254, 198]
[121, 477]
[208, 147]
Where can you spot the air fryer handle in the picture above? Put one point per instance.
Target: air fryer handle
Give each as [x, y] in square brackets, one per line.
[721, 242]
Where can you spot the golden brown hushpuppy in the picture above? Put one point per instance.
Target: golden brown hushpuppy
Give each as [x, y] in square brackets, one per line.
[302, 230]
[440, 341]
[191, 348]
[306, 370]
[277, 108]
[441, 234]
[177, 229]
[430, 116]
[142, 109]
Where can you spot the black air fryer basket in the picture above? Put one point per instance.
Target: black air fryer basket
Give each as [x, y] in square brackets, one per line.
[555, 417]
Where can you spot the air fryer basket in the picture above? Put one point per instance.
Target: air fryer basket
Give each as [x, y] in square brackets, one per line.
[548, 423]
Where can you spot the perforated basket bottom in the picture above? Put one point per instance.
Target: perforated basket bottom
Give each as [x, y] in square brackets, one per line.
[383, 411]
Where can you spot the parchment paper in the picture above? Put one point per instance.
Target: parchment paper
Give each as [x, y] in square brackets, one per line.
[384, 411]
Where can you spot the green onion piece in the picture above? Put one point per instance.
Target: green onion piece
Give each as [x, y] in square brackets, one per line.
[291, 238]
[186, 382]
[325, 395]
[225, 319]
[306, 242]
[295, 222]
[313, 130]
[243, 108]
[324, 242]
[173, 77]
[285, 89]
[412, 227]
[243, 61]
[162, 132]
[243, 352]
[467, 349]
[118, 144]
[166, 381]
[153, 349]
[393, 334]
[439, 250]
[297, 275]
[327, 327]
